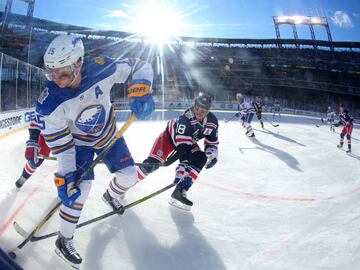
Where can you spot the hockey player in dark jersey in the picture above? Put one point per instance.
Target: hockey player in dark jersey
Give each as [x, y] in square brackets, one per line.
[346, 120]
[35, 152]
[181, 135]
[258, 110]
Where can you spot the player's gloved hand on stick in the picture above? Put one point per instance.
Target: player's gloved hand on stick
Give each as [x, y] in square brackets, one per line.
[142, 106]
[212, 156]
[32, 153]
[141, 101]
[237, 114]
[67, 191]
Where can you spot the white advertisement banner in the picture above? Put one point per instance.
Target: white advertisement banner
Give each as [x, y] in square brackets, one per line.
[12, 121]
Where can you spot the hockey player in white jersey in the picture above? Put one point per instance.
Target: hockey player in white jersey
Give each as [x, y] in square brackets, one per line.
[330, 115]
[77, 121]
[246, 114]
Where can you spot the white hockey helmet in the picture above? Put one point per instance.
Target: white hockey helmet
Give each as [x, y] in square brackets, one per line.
[239, 97]
[64, 50]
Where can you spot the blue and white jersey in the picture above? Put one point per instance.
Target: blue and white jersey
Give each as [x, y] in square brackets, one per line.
[330, 115]
[246, 107]
[84, 116]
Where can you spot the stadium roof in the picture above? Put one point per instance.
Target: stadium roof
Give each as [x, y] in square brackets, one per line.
[22, 20]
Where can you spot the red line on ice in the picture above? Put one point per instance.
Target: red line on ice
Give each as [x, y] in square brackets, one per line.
[10, 220]
[284, 198]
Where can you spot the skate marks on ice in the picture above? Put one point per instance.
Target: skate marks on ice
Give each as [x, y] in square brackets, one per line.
[246, 148]
[190, 251]
[279, 136]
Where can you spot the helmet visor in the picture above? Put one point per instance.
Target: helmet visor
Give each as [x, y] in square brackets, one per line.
[56, 74]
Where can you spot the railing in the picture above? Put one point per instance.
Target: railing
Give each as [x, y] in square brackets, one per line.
[20, 83]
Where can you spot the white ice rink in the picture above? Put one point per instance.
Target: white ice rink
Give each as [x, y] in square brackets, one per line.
[288, 199]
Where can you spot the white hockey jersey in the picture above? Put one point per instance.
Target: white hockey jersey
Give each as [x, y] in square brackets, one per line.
[84, 116]
[246, 107]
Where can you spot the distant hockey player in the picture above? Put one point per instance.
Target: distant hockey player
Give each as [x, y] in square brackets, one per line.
[330, 115]
[77, 121]
[35, 152]
[181, 135]
[258, 110]
[346, 120]
[246, 114]
[276, 108]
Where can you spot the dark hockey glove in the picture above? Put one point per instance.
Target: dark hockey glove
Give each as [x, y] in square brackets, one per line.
[237, 114]
[32, 153]
[212, 155]
[67, 191]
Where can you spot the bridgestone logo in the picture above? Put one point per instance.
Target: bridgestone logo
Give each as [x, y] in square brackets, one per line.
[11, 121]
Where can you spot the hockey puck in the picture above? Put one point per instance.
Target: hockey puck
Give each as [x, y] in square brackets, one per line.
[12, 255]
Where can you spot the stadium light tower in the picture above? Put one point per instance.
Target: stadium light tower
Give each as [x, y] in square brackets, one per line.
[307, 20]
[7, 11]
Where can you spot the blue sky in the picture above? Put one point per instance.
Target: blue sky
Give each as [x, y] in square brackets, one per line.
[215, 18]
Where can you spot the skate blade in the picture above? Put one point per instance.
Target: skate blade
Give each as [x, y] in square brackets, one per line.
[179, 205]
[73, 265]
[120, 211]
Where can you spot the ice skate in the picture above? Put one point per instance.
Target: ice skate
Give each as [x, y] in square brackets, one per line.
[20, 182]
[65, 249]
[115, 204]
[178, 199]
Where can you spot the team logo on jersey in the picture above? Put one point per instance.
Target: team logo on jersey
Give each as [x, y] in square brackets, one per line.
[100, 60]
[207, 131]
[44, 94]
[91, 120]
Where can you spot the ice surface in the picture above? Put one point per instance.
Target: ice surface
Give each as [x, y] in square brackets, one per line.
[288, 199]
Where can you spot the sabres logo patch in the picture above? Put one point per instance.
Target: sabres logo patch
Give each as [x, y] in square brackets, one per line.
[100, 60]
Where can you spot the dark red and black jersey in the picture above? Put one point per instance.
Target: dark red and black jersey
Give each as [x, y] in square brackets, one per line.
[257, 106]
[186, 130]
[345, 118]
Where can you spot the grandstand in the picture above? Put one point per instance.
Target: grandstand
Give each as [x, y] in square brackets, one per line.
[301, 74]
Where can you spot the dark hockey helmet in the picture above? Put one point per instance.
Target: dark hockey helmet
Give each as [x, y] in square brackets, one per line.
[203, 100]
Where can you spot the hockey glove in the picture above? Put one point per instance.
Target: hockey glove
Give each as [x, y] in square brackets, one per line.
[237, 114]
[141, 101]
[142, 106]
[212, 157]
[67, 191]
[32, 153]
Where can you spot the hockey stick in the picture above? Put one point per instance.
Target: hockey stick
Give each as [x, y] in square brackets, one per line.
[106, 149]
[90, 221]
[228, 120]
[274, 125]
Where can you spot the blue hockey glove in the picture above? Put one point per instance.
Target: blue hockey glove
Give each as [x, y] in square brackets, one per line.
[212, 156]
[237, 114]
[67, 191]
[142, 106]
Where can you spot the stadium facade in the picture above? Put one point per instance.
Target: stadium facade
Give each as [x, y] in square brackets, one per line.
[300, 74]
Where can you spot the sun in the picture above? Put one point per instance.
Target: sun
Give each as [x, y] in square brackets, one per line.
[157, 22]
